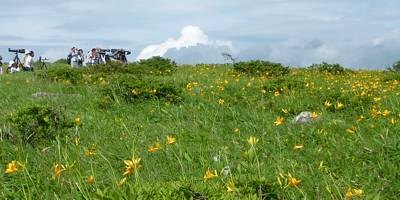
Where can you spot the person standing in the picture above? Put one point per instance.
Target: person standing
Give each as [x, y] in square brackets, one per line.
[28, 60]
[81, 58]
[74, 57]
[12, 67]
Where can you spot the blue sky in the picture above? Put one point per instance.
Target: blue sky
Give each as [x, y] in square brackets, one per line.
[363, 33]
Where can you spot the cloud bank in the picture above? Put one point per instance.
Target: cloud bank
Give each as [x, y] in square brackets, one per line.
[191, 36]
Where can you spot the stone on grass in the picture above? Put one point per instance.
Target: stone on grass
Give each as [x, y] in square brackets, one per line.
[306, 117]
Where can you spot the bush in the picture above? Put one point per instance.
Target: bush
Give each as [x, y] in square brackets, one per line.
[329, 68]
[71, 75]
[39, 124]
[395, 67]
[61, 62]
[259, 67]
[153, 66]
[130, 88]
[91, 74]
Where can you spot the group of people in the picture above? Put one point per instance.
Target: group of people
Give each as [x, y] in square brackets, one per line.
[76, 57]
[16, 65]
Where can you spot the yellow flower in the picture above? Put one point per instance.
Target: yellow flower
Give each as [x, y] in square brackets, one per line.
[77, 140]
[314, 115]
[230, 186]
[299, 146]
[122, 181]
[386, 113]
[354, 193]
[377, 99]
[210, 174]
[58, 168]
[376, 113]
[171, 139]
[132, 165]
[77, 120]
[277, 93]
[294, 182]
[279, 121]
[221, 101]
[361, 118]
[339, 106]
[252, 140]
[135, 92]
[352, 129]
[349, 194]
[327, 104]
[13, 167]
[90, 151]
[90, 180]
[393, 121]
[154, 148]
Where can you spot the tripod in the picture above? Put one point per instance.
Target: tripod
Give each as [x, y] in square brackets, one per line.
[42, 62]
[17, 61]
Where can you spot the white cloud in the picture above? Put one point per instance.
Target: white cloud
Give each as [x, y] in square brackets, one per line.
[190, 36]
[390, 36]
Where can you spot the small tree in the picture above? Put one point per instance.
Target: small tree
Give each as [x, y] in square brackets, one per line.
[229, 56]
[395, 67]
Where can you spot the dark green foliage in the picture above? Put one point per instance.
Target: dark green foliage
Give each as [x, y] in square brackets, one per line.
[39, 124]
[329, 68]
[130, 88]
[260, 67]
[262, 188]
[395, 67]
[153, 66]
[61, 62]
[90, 74]
[72, 75]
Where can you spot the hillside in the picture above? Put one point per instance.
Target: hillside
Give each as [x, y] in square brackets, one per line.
[159, 131]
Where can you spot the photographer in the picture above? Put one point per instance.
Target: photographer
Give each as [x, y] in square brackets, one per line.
[28, 60]
[81, 57]
[73, 55]
[12, 67]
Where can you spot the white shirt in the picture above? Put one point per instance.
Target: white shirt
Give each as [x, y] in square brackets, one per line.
[28, 61]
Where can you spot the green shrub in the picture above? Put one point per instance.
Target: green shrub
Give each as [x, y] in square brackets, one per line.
[131, 88]
[62, 61]
[153, 66]
[71, 75]
[92, 74]
[260, 67]
[329, 68]
[39, 125]
[395, 67]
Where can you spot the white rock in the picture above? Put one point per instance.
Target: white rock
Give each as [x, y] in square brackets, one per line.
[305, 117]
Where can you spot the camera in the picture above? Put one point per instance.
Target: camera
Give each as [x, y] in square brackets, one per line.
[120, 51]
[104, 51]
[16, 50]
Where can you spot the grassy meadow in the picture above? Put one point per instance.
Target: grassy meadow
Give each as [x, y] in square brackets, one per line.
[199, 132]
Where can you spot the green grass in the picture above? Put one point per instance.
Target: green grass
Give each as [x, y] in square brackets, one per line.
[331, 161]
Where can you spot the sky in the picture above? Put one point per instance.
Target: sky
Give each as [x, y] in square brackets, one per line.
[357, 34]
